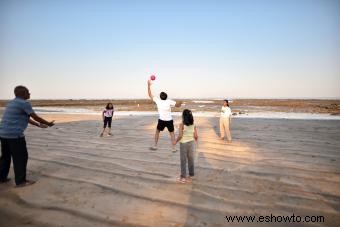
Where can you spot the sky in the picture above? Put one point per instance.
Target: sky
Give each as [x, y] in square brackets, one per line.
[80, 49]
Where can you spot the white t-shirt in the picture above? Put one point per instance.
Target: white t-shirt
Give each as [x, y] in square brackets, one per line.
[164, 108]
[225, 111]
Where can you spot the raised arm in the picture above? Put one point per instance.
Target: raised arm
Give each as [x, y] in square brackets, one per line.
[149, 90]
[41, 120]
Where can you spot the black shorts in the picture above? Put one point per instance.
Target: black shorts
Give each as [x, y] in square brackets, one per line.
[107, 121]
[162, 124]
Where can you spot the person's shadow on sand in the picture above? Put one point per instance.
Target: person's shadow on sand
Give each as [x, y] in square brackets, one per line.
[200, 211]
[214, 122]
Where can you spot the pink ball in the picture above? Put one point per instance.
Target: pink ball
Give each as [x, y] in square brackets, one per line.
[152, 77]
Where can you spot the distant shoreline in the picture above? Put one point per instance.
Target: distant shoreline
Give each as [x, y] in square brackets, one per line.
[202, 105]
[205, 99]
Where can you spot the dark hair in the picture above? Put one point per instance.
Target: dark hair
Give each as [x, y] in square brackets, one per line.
[107, 106]
[226, 100]
[20, 90]
[187, 117]
[163, 95]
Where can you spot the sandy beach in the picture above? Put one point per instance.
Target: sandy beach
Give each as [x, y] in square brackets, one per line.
[271, 67]
[273, 167]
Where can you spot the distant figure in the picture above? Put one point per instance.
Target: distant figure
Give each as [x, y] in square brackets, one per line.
[165, 119]
[107, 118]
[16, 117]
[225, 120]
[186, 136]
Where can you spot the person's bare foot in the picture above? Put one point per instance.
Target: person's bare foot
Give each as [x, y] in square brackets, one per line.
[190, 179]
[181, 180]
[153, 148]
[101, 135]
[26, 183]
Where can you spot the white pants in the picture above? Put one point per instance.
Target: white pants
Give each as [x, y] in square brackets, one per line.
[224, 127]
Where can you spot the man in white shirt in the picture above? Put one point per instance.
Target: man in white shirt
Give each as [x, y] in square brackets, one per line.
[165, 119]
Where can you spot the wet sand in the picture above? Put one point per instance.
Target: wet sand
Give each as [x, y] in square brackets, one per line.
[278, 167]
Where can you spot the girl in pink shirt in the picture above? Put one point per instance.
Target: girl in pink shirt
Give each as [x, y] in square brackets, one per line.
[107, 118]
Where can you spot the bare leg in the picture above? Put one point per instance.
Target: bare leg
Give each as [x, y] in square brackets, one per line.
[109, 133]
[172, 136]
[102, 133]
[156, 137]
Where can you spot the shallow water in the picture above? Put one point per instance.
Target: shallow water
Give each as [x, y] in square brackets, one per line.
[253, 114]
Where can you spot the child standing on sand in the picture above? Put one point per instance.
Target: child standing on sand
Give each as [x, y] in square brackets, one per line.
[107, 118]
[187, 135]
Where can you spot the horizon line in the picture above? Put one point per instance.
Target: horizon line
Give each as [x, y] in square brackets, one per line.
[214, 98]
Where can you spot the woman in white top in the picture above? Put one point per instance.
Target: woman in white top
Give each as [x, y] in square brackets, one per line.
[225, 120]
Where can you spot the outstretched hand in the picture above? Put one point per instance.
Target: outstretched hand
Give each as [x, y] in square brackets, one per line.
[41, 125]
[51, 123]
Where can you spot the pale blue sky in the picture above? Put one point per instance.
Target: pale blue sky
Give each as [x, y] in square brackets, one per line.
[197, 49]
